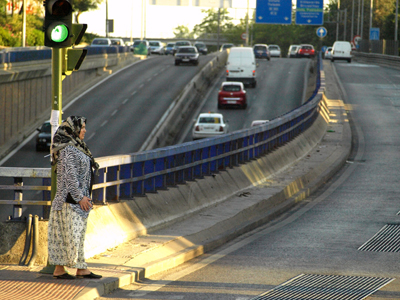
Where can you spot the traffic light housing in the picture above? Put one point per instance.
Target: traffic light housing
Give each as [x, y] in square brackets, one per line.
[72, 58]
[58, 23]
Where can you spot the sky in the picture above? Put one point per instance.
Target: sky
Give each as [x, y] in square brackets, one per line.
[160, 19]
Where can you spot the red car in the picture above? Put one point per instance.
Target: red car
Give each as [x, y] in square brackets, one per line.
[306, 51]
[232, 93]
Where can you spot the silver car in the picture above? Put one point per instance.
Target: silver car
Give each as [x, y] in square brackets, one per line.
[156, 47]
[274, 50]
[187, 54]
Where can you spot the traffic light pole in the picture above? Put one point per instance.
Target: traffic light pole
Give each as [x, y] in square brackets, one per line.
[56, 118]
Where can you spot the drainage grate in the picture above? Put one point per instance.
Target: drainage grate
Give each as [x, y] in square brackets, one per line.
[321, 287]
[385, 240]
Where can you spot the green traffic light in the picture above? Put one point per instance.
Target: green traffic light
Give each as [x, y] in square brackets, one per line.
[59, 33]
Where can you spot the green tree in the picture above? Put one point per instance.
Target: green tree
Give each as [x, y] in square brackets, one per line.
[210, 22]
[182, 32]
[81, 6]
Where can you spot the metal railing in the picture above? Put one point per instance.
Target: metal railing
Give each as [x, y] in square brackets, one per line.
[127, 176]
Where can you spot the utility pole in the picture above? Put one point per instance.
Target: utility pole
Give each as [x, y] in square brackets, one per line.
[247, 25]
[370, 17]
[23, 23]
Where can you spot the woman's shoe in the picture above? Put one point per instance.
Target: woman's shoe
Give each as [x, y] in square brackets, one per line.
[64, 276]
[91, 275]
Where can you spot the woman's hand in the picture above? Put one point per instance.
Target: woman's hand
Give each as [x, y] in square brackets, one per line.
[85, 203]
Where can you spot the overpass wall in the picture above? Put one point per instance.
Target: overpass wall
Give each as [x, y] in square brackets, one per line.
[25, 92]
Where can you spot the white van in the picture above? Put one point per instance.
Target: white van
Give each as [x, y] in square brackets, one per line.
[341, 50]
[241, 66]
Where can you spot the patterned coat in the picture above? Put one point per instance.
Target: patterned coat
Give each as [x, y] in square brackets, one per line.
[74, 177]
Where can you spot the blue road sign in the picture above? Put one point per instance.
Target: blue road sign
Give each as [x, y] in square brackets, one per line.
[374, 33]
[274, 11]
[309, 12]
[321, 32]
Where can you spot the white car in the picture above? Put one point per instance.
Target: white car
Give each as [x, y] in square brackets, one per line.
[156, 47]
[258, 122]
[209, 125]
[328, 53]
[274, 50]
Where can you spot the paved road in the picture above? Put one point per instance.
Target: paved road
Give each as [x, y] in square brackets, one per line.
[326, 234]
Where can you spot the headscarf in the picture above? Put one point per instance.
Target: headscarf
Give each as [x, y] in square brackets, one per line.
[68, 134]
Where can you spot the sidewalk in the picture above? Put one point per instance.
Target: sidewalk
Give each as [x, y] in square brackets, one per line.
[169, 247]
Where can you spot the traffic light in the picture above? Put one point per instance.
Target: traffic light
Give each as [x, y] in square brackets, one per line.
[58, 23]
[72, 58]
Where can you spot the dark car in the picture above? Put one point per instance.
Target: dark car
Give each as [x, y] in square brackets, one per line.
[306, 51]
[43, 140]
[201, 47]
[261, 51]
[187, 54]
[179, 44]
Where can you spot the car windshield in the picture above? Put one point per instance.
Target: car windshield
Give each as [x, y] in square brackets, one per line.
[231, 88]
[210, 120]
[306, 47]
[170, 45]
[154, 44]
[182, 44]
[100, 42]
[294, 48]
[226, 46]
[46, 127]
[273, 48]
[137, 43]
[263, 48]
[186, 50]
[200, 45]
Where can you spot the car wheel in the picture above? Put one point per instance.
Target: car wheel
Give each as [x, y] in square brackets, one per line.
[254, 84]
[332, 60]
[176, 63]
[219, 106]
[244, 106]
[349, 60]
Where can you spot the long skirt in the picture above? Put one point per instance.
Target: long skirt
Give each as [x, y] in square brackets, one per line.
[66, 238]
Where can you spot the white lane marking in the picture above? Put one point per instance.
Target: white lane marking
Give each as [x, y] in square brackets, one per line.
[104, 123]
[149, 79]
[114, 112]
[142, 85]
[92, 135]
[126, 100]
[133, 93]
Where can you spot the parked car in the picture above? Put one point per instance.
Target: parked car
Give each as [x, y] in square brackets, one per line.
[201, 47]
[328, 53]
[209, 125]
[275, 51]
[101, 42]
[232, 93]
[179, 44]
[117, 42]
[156, 47]
[261, 51]
[258, 122]
[306, 50]
[187, 54]
[43, 140]
[292, 51]
[341, 50]
[141, 47]
[169, 49]
[226, 46]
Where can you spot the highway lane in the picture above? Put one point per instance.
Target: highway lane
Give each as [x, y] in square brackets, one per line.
[279, 90]
[322, 235]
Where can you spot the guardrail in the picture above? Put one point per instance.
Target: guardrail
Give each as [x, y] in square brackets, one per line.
[13, 55]
[131, 175]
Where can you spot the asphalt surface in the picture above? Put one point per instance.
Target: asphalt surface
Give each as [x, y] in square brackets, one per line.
[167, 248]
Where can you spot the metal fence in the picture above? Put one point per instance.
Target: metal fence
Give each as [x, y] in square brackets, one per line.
[128, 176]
[388, 47]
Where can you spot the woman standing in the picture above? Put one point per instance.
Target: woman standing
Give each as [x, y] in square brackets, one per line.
[72, 203]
